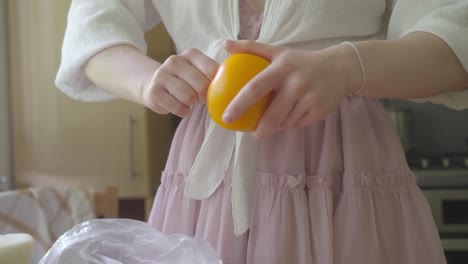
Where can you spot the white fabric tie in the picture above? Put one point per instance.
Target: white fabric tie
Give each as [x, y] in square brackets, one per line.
[219, 148]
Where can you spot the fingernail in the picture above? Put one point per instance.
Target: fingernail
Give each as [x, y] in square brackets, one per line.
[258, 132]
[227, 118]
[257, 135]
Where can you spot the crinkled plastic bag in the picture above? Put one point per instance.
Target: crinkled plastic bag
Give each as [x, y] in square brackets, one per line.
[123, 241]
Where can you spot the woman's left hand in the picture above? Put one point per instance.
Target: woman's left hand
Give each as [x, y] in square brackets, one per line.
[306, 85]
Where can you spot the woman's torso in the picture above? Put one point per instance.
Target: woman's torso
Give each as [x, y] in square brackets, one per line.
[357, 138]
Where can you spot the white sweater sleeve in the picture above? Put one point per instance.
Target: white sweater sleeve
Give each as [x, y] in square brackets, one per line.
[92, 26]
[447, 19]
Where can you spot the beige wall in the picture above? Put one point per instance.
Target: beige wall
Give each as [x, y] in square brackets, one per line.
[4, 130]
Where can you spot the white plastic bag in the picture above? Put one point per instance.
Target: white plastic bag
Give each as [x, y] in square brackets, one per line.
[123, 241]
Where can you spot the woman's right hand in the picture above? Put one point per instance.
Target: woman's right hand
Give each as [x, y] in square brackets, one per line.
[179, 83]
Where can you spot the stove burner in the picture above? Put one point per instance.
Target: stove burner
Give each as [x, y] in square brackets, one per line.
[444, 161]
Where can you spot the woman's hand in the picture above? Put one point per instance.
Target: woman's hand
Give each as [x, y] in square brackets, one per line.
[180, 82]
[307, 85]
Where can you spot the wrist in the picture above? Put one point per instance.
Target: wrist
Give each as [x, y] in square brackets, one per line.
[145, 81]
[347, 63]
[122, 70]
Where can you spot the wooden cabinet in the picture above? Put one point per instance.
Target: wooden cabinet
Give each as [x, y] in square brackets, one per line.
[58, 141]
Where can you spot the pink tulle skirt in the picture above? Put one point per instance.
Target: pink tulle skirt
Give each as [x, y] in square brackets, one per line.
[339, 191]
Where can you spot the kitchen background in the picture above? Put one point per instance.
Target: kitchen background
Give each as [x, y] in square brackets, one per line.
[435, 129]
[5, 163]
[47, 139]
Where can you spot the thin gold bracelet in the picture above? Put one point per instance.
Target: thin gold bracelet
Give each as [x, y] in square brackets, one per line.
[361, 64]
